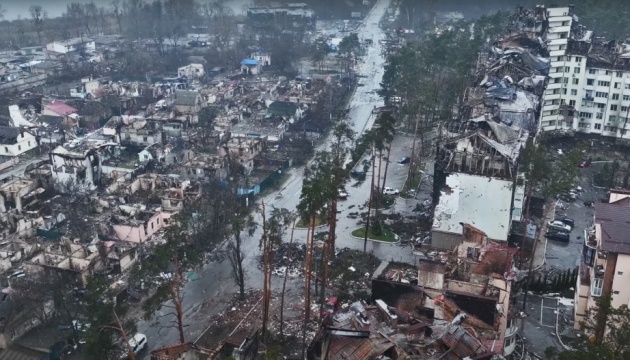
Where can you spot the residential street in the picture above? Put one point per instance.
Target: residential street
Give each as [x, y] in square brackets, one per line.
[216, 284]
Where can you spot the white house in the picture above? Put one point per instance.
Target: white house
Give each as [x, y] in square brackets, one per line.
[70, 45]
[191, 71]
[77, 166]
[263, 57]
[15, 141]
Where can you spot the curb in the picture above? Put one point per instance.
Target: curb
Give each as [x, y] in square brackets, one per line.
[379, 241]
[318, 227]
[557, 332]
[546, 242]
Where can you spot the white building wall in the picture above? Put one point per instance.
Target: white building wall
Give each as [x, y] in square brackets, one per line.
[601, 97]
[25, 142]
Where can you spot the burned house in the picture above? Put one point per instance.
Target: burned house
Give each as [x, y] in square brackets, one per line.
[480, 159]
[459, 309]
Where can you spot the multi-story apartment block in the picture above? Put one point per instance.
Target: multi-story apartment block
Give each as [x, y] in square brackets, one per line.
[588, 89]
[605, 265]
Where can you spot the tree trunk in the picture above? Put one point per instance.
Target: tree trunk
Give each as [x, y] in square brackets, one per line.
[123, 334]
[327, 250]
[367, 223]
[241, 272]
[410, 175]
[307, 280]
[265, 314]
[284, 286]
[386, 168]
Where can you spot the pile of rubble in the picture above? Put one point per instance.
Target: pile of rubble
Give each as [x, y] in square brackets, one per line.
[289, 259]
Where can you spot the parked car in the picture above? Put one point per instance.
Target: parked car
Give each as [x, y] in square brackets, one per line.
[567, 221]
[356, 173]
[137, 343]
[343, 194]
[559, 225]
[405, 160]
[390, 191]
[558, 235]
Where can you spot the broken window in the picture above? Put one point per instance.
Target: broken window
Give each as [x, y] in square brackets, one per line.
[472, 253]
[578, 59]
[608, 72]
[590, 81]
[624, 108]
[592, 71]
[615, 97]
[598, 126]
[612, 118]
[617, 85]
[599, 116]
[572, 102]
[574, 92]
[613, 107]
[576, 70]
[626, 97]
[618, 74]
[576, 81]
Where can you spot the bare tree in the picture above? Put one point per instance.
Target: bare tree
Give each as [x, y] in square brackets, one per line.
[284, 282]
[118, 14]
[38, 15]
[235, 252]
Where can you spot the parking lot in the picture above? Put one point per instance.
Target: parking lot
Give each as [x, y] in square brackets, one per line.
[539, 326]
[567, 255]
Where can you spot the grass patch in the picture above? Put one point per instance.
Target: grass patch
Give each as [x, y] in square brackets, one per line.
[385, 235]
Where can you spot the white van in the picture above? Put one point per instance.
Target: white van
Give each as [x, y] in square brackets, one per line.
[137, 343]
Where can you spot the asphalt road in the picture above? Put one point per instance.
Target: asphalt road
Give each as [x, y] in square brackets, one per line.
[216, 284]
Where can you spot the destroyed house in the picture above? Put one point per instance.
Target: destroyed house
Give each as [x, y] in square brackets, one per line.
[481, 158]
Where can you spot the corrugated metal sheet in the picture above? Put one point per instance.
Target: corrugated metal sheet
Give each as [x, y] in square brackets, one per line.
[358, 349]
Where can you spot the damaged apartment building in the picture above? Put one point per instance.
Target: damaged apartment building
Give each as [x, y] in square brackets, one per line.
[457, 307]
[588, 87]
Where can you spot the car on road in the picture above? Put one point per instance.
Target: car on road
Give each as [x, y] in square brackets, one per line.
[405, 160]
[558, 235]
[558, 225]
[137, 343]
[390, 191]
[567, 221]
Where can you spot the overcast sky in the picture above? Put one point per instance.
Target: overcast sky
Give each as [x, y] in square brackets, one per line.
[55, 8]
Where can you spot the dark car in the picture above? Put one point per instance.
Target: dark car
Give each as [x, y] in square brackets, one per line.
[405, 160]
[357, 173]
[567, 220]
[558, 235]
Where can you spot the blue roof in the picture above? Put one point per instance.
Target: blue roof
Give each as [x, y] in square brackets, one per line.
[249, 62]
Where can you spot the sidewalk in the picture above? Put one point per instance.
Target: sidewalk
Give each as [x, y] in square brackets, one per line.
[541, 246]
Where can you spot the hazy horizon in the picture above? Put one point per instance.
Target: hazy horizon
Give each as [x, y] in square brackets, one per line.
[15, 8]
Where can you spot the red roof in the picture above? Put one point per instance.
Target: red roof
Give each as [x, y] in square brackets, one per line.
[60, 108]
